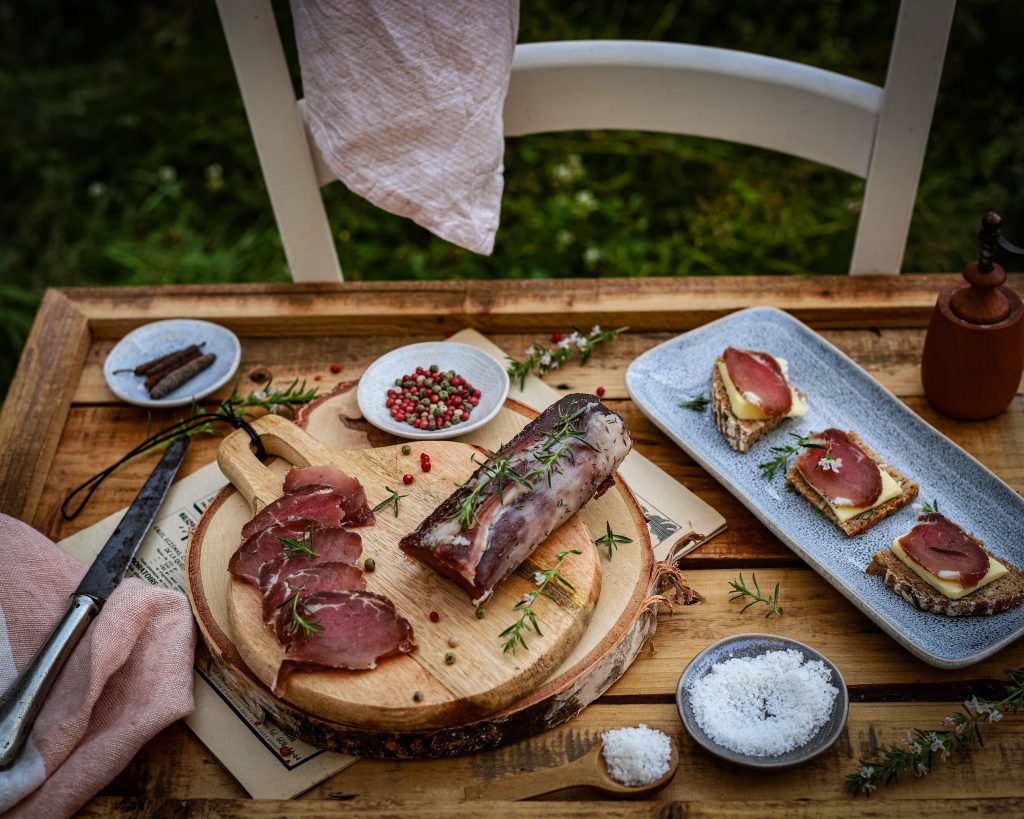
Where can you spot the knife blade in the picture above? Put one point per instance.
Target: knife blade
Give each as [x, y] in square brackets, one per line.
[20, 704]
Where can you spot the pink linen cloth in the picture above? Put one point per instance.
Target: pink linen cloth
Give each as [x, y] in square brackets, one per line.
[128, 679]
[404, 100]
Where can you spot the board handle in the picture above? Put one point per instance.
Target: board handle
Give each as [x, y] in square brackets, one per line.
[258, 484]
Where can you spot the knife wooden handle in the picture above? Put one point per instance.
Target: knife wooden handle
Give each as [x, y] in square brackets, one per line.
[22, 701]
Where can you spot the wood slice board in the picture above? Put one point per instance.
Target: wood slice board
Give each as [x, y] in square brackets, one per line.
[622, 622]
[483, 677]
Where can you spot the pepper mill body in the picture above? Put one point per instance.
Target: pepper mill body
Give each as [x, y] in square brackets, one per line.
[974, 351]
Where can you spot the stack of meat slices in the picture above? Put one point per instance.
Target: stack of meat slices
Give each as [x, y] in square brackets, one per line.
[303, 560]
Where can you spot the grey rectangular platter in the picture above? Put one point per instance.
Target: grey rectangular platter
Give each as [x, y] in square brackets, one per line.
[843, 395]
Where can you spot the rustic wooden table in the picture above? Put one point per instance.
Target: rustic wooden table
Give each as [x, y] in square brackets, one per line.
[60, 423]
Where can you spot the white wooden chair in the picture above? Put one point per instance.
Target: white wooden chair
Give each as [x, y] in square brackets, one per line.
[877, 133]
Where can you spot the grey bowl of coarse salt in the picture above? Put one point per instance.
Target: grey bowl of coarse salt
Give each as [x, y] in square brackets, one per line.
[762, 701]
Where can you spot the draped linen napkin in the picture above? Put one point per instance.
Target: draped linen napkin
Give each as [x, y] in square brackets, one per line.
[404, 100]
[128, 679]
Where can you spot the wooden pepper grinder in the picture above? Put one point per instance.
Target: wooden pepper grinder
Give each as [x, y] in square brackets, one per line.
[974, 350]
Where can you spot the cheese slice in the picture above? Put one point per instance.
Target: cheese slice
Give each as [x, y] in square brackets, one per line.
[747, 410]
[890, 490]
[950, 588]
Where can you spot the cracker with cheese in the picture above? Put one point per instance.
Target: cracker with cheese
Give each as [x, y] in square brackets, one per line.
[751, 395]
[847, 482]
[940, 568]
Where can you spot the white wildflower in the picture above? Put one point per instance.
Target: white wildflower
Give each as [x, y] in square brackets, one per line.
[545, 360]
[867, 787]
[528, 598]
[921, 769]
[994, 715]
[936, 743]
[973, 705]
[828, 462]
[867, 772]
[948, 721]
[260, 396]
[567, 342]
[538, 578]
[595, 330]
[582, 342]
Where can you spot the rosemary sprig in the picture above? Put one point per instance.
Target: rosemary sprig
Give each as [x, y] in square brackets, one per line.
[918, 751]
[740, 591]
[557, 445]
[698, 404]
[392, 501]
[496, 469]
[545, 359]
[784, 453]
[299, 624]
[930, 508]
[513, 635]
[270, 399]
[612, 540]
[293, 547]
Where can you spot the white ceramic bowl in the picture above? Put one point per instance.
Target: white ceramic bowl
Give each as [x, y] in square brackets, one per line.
[481, 370]
[161, 337]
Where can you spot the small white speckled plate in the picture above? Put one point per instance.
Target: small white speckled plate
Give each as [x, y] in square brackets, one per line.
[483, 371]
[160, 338]
[842, 395]
[754, 645]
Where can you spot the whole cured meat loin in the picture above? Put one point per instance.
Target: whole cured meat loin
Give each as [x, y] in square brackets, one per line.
[331, 543]
[280, 580]
[481, 533]
[357, 511]
[316, 505]
[760, 380]
[946, 550]
[357, 628]
[853, 479]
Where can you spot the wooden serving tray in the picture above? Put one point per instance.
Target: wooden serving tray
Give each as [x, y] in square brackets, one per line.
[622, 620]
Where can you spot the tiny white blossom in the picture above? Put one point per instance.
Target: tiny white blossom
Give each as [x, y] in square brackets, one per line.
[867, 771]
[538, 578]
[917, 507]
[921, 769]
[545, 360]
[275, 407]
[261, 395]
[528, 598]
[994, 715]
[867, 787]
[595, 330]
[828, 462]
[566, 343]
[582, 342]
[973, 705]
[947, 721]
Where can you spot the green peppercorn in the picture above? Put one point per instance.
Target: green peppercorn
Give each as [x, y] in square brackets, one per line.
[480, 613]
[434, 368]
[369, 564]
[406, 449]
[449, 658]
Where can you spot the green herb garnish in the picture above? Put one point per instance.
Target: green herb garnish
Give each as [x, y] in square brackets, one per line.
[528, 617]
[612, 540]
[698, 404]
[784, 453]
[392, 501]
[740, 591]
[545, 359]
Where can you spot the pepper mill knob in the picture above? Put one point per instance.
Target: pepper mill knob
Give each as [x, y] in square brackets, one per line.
[984, 301]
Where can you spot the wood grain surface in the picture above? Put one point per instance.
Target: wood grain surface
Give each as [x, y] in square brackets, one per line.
[293, 331]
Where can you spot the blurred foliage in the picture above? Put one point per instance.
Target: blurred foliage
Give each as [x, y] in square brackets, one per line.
[127, 158]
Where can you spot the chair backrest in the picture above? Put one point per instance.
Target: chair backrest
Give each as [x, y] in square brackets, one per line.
[876, 133]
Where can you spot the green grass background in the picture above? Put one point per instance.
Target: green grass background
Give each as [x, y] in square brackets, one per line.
[126, 158]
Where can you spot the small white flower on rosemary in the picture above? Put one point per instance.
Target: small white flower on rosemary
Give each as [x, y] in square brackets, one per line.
[828, 461]
[391, 500]
[612, 540]
[740, 590]
[528, 621]
[924, 747]
[542, 359]
[538, 578]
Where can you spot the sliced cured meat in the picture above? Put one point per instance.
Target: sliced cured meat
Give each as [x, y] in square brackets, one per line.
[279, 580]
[317, 506]
[357, 511]
[358, 628]
[263, 547]
[760, 380]
[507, 525]
[947, 551]
[853, 480]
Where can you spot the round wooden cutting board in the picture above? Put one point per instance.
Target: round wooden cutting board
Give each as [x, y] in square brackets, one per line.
[623, 620]
[420, 689]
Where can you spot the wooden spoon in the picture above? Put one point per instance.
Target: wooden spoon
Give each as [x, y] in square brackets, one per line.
[589, 771]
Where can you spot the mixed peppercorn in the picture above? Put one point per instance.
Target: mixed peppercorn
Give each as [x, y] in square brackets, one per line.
[432, 399]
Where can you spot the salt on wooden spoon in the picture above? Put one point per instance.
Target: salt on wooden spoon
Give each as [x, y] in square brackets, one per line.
[589, 770]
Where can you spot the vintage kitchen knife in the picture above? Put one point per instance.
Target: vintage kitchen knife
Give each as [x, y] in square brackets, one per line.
[22, 701]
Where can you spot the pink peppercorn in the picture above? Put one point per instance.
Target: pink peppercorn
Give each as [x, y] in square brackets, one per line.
[407, 479]
[335, 368]
[600, 392]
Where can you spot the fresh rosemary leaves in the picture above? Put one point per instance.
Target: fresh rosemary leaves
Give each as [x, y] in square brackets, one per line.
[544, 359]
[930, 508]
[740, 591]
[784, 453]
[496, 470]
[300, 624]
[612, 540]
[527, 621]
[698, 404]
[294, 547]
[392, 501]
[917, 753]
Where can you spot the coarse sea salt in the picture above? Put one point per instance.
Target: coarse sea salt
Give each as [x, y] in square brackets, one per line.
[764, 705]
[636, 756]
